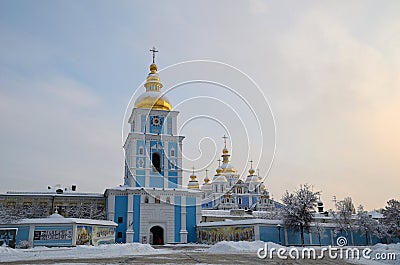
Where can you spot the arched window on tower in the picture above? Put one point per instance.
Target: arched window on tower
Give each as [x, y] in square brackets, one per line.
[156, 160]
[146, 199]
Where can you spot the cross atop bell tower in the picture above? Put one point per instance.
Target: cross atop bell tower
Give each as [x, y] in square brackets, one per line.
[154, 53]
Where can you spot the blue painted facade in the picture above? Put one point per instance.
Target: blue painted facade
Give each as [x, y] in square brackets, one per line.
[177, 216]
[191, 219]
[136, 217]
[120, 217]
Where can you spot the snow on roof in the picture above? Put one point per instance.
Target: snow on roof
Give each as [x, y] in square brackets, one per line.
[241, 222]
[375, 215]
[52, 193]
[59, 219]
[124, 187]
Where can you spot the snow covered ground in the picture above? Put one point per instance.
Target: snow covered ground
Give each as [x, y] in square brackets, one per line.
[175, 254]
[240, 247]
[79, 252]
[382, 250]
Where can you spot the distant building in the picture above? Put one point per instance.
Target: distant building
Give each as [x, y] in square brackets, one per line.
[67, 201]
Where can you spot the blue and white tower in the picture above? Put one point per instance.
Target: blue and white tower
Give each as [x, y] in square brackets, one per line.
[152, 206]
[153, 157]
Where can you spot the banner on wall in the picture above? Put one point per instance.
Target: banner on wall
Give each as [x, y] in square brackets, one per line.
[84, 235]
[8, 237]
[46, 235]
[103, 235]
[210, 235]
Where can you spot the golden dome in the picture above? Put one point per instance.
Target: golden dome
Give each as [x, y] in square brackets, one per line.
[153, 98]
[150, 101]
[251, 171]
[219, 170]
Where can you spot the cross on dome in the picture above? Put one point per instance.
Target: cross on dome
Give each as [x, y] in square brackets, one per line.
[154, 53]
[225, 137]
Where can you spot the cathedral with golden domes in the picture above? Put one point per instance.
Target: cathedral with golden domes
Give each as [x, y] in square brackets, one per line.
[227, 190]
[153, 206]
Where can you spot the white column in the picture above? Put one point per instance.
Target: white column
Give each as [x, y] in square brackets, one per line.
[148, 167]
[74, 234]
[111, 207]
[129, 230]
[166, 162]
[286, 237]
[183, 231]
[31, 233]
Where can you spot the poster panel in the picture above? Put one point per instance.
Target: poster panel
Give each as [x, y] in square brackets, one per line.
[84, 235]
[103, 235]
[211, 235]
[8, 237]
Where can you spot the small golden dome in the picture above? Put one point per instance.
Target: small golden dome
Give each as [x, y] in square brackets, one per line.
[153, 68]
[219, 170]
[225, 151]
[251, 171]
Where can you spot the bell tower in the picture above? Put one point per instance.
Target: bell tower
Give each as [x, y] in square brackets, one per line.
[153, 150]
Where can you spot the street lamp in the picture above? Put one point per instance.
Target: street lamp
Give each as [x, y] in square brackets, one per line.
[366, 236]
[279, 234]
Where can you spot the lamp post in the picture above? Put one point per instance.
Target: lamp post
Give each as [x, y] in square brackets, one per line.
[366, 236]
[279, 234]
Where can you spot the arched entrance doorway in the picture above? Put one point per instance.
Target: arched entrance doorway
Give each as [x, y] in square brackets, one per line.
[157, 235]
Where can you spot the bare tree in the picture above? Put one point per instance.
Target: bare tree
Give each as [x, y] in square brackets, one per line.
[343, 216]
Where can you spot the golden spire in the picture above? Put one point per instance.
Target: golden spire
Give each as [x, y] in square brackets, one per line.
[226, 167]
[152, 98]
[193, 183]
[251, 171]
[225, 150]
[206, 179]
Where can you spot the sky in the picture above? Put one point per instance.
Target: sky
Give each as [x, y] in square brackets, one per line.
[330, 72]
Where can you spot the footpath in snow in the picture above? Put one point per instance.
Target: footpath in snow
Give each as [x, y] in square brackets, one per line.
[78, 252]
[253, 247]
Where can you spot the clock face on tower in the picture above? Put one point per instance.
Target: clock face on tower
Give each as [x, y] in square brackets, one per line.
[156, 121]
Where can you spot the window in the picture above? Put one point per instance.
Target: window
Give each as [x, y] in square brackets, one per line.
[172, 152]
[168, 200]
[156, 160]
[119, 235]
[146, 199]
[140, 163]
[120, 220]
[239, 200]
[141, 150]
[157, 199]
